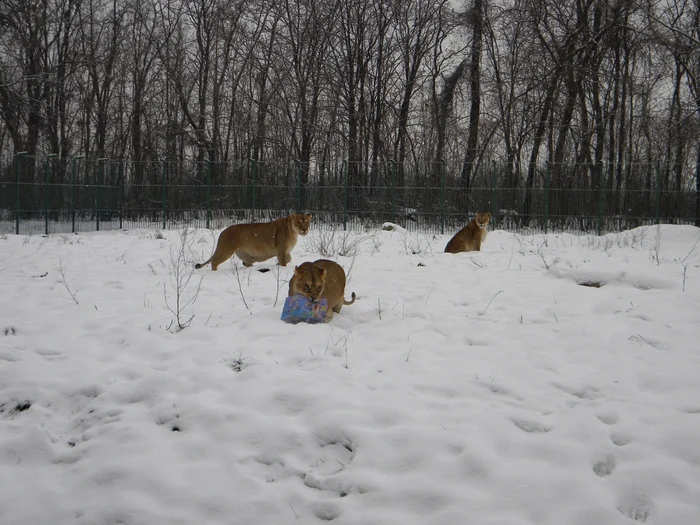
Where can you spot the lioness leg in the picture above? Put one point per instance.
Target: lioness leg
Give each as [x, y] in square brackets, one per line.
[220, 256]
[247, 259]
[283, 258]
[338, 306]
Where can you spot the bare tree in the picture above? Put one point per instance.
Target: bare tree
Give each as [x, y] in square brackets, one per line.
[598, 89]
[417, 26]
[143, 54]
[305, 39]
[102, 34]
[476, 21]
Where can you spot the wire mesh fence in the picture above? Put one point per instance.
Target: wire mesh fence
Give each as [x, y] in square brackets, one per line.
[58, 195]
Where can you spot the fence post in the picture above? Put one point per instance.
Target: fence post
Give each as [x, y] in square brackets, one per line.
[72, 192]
[547, 181]
[298, 165]
[253, 182]
[121, 194]
[442, 196]
[393, 191]
[494, 184]
[18, 161]
[657, 196]
[601, 184]
[98, 192]
[164, 193]
[208, 193]
[46, 191]
[345, 194]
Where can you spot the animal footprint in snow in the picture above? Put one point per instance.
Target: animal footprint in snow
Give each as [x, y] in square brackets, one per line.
[498, 389]
[173, 423]
[11, 409]
[635, 507]
[325, 510]
[621, 439]
[581, 392]
[334, 456]
[169, 418]
[336, 452]
[528, 425]
[608, 418]
[604, 466]
[95, 422]
[49, 354]
[272, 468]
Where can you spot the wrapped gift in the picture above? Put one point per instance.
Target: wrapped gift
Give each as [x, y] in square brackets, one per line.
[298, 308]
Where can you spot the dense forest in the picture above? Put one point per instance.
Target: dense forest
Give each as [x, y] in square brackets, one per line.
[576, 84]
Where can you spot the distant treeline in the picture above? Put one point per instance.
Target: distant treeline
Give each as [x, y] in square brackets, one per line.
[604, 85]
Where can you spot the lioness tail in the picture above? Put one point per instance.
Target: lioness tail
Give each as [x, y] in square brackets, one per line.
[199, 265]
[349, 302]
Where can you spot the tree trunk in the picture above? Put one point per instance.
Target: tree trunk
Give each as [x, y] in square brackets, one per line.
[697, 185]
[539, 136]
[475, 93]
[443, 111]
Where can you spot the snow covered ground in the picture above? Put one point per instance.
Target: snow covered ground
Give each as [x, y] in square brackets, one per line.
[546, 380]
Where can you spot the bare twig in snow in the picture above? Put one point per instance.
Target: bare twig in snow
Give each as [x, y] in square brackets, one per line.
[684, 262]
[237, 275]
[62, 272]
[276, 270]
[348, 274]
[181, 271]
[657, 245]
[487, 306]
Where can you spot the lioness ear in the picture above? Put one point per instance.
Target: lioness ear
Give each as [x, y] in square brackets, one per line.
[308, 216]
[297, 273]
[322, 273]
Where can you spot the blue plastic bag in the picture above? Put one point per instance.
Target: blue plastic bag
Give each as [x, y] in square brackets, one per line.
[298, 308]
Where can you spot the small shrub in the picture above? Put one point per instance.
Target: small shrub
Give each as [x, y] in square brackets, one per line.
[333, 243]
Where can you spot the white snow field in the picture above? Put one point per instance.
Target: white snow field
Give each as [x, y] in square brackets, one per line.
[545, 380]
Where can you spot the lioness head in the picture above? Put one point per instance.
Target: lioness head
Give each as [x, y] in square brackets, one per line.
[309, 280]
[482, 219]
[301, 222]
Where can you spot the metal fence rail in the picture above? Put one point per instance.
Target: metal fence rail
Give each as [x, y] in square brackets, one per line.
[53, 195]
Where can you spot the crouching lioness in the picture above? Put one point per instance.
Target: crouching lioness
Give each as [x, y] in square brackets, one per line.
[321, 279]
[259, 242]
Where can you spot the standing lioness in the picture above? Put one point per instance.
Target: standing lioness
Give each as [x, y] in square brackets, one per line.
[471, 237]
[321, 279]
[260, 241]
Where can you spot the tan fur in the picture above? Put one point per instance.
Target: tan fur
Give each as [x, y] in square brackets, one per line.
[260, 241]
[471, 237]
[321, 279]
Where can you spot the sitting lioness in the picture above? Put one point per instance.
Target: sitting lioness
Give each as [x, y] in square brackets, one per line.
[321, 279]
[260, 241]
[471, 237]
